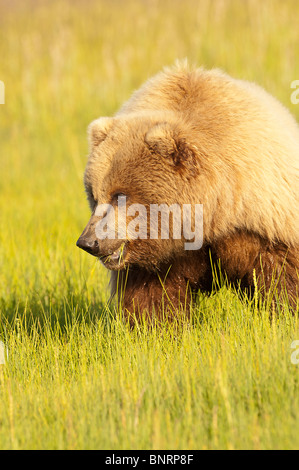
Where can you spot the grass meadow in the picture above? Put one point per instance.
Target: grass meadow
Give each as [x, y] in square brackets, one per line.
[77, 377]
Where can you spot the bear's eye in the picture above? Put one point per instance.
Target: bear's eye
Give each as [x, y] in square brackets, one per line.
[90, 196]
[92, 202]
[115, 196]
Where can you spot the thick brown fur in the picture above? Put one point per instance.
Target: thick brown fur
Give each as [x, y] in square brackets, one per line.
[245, 260]
[191, 136]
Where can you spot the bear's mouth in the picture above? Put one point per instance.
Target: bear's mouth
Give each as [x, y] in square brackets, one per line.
[115, 260]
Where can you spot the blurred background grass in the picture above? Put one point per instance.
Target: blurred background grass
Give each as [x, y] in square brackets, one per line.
[231, 384]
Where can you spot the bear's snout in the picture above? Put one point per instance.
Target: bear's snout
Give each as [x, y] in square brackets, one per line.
[109, 251]
[89, 244]
[88, 240]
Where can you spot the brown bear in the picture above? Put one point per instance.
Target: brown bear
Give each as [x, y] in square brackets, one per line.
[197, 138]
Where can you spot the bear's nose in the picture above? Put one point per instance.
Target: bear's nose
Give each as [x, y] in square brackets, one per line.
[90, 245]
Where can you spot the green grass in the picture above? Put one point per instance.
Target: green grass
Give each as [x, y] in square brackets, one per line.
[77, 376]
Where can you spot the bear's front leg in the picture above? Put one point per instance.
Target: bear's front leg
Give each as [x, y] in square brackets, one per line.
[143, 294]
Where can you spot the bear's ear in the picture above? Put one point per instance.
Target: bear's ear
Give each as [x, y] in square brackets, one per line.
[160, 139]
[165, 140]
[98, 130]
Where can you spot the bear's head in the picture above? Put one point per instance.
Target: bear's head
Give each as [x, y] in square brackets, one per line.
[139, 182]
